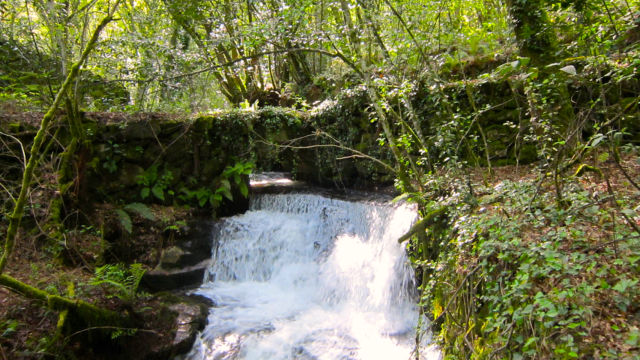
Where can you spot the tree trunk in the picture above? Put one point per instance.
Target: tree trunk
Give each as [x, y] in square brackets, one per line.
[18, 210]
[533, 30]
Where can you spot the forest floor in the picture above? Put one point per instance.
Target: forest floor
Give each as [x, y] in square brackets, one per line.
[28, 327]
[548, 278]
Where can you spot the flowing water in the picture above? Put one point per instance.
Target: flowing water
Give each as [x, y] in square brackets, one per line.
[308, 277]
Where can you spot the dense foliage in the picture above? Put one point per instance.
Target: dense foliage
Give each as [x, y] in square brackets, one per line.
[543, 265]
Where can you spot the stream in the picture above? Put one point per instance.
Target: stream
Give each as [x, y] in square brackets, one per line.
[303, 276]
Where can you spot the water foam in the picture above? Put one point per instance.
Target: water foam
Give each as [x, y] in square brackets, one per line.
[307, 277]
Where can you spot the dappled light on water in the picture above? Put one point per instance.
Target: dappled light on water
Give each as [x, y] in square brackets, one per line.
[269, 178]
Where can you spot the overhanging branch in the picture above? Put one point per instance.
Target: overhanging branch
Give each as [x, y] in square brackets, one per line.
[234, 61]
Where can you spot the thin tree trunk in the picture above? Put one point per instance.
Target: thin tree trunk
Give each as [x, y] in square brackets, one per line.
[18, 210]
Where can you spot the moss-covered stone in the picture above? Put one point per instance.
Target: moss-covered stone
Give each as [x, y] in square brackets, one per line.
[499, 139]
[152, 155]
[141, 130]
[203, 124]
[277, 137]
[212, 166]
[15, 128]
[527, 154]
[132, 152]
[171, 127]
[127, 174]
[176, 173]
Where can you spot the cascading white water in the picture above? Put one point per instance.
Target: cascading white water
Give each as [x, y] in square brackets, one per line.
[307, 277]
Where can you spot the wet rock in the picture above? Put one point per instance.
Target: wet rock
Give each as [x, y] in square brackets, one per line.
[185, 264]
[163, 280]
[171, 258]
[190, 314]
[191, 319]
[201, 300]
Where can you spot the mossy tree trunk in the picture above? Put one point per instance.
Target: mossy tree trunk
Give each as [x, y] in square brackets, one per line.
[537, 41]
[18, 210]
[91, 315]
[535, 36]
[66, 178]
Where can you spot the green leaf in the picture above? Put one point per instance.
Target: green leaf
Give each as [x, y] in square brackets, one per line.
[629, 212]
[624, 284]
[226, 192]
[569, 69]
[603, 157]
[158, 192]
[142, 210]
[125, 220]
[530, 341]
[145, 192]
[243, 189]
[597, 140]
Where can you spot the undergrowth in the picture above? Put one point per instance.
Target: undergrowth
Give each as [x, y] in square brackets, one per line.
[519, 277]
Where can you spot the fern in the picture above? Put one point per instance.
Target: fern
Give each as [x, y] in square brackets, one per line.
[142, 210]
[123, 332]
[122, 282]
[125, 220]
[158, 191]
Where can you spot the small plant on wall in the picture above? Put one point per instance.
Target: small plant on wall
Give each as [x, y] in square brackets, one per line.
[206, 195]
[154, 184]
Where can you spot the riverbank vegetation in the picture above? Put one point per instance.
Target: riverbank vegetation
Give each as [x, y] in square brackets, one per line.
[513, 125]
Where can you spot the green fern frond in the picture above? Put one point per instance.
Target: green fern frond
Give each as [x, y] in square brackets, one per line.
[142, 210]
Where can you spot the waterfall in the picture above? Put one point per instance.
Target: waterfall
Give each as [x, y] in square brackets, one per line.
[301, 276]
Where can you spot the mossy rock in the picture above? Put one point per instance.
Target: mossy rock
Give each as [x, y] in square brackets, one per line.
[153, 154]
[15, 128]
[211, 167]
[204, 124]
[176, 173]
[277, 137]
[171, 127]
[528, 154]
[128, 174]
[141, 130]
[90, 129]
[132, 152]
